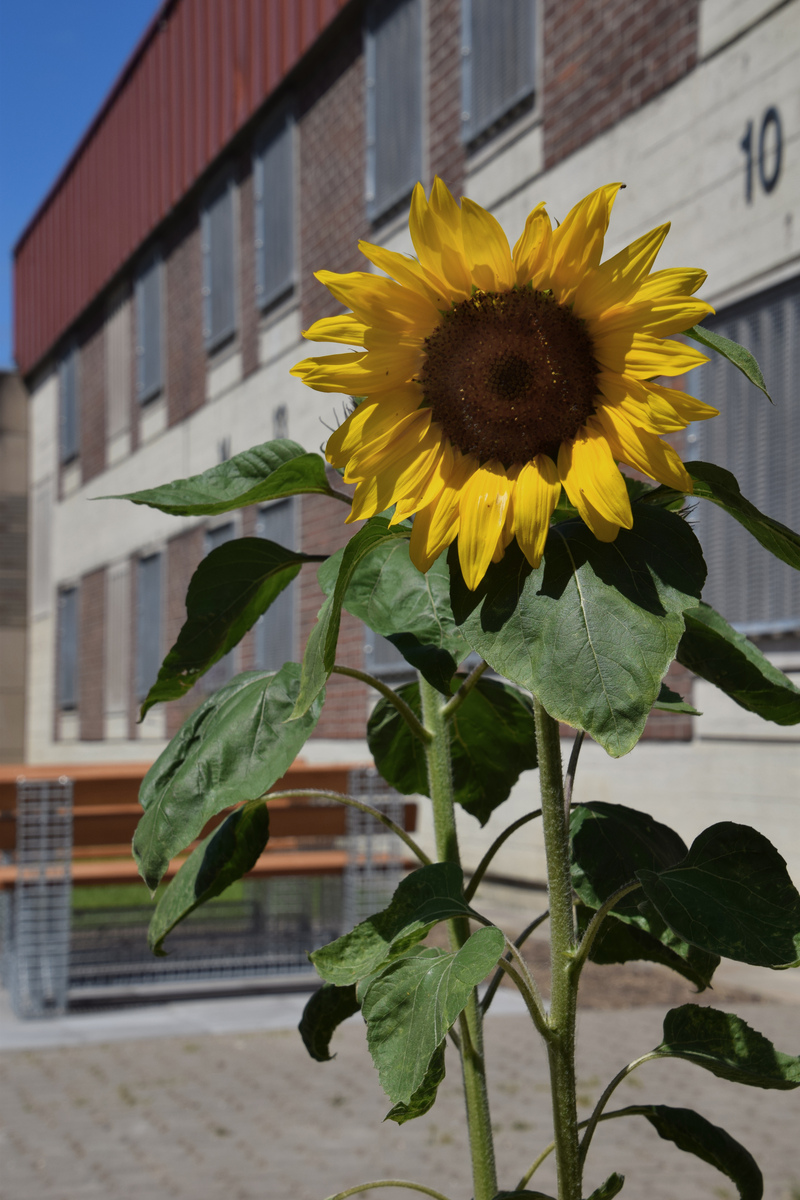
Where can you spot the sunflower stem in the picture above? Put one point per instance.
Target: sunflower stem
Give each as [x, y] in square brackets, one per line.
[563, 985]
[440, 781]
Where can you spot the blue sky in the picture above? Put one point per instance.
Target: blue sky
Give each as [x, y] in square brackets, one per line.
[58, 59]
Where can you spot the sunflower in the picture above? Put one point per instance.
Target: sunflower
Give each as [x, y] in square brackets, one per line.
[491, 379]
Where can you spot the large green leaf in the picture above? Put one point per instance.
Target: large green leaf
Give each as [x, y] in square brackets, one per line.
[266, 472]
[493, 742]
[227, 594]
[714, 650]
[673, 702]
[726, 1045]
[327, 1008]
[610, 844]
[320, 652]
[731, 895]
[741, 358]
[594, 629]
[232, 748]
[427, 895]
[227, 854]
[412, 1004]
[410, 608]
[425, 1096]
[721, 488]
[612, 1187]
[694, 1134]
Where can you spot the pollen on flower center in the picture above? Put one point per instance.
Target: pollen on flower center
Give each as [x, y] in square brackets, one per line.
[509, 375]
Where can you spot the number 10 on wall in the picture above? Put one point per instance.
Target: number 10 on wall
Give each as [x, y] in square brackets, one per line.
[764, 155]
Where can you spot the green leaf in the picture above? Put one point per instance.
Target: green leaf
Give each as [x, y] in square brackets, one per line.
[410, 608]
[741, 358]
[493, 742]
[594, 629]
[694, 1134]
[612, 1187]
[232, 748]
[427, 895]
[266, 472]
[731, 895]
[227, 854]
[320, 653]
[424, 1097]
[721, 488]
[669, 701]
[327, 1008]
[412, 1004]
[726, 1045]
[714, 650]
[610, 845]
[522, 1195]
[227, 594]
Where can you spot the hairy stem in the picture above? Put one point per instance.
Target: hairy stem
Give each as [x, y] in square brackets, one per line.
[498, 975]
[440, 790]
[483, 865]
[593, 928]
[591, 1124]
[351, 802]
[458, 699]
[572, 766]
[383, 1183]
[563, 989]
[408, 715]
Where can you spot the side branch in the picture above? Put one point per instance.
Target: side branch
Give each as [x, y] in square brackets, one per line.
[458, 699]
[359, 804]
[482, 867]
[593, 928]
[411, 720]
[383, 1183]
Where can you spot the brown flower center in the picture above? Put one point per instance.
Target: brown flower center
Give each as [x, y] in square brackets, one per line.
[510, 375]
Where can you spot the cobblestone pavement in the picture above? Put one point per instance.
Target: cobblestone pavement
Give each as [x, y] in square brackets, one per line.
[248, 1116]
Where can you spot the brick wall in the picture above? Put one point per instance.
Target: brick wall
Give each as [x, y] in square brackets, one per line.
[602, 61]
[445, 148]
[185, 350]
[91, 642]
[92, 398]
[332, 165]
[183, 554]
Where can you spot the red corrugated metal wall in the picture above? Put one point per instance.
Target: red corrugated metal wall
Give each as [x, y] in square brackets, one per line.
[201, 71]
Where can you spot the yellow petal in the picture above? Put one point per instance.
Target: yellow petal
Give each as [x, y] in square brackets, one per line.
[378, 456]
[651, 406]
[577, 243]
[371, 422]
[381, 490]
[440, 520]
[535, 497]
[484, 504]
[438, 245]
[687, 408]
[408, 272]
[531, 252]
[322, 372]
[643, 450]
[344, 328]
[381, 302]
[427, 490]
[588, 472]
[486, 248]
[659, 317]
[616, 280]
[380, 370]
[644, 356]
[674, 281]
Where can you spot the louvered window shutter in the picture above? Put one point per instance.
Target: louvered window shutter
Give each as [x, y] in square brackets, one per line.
[394, 102]
[273, 178]
[274, 631]
[148, 331]
[68, 406]
[219, 267]
[68, 648]
[223, 671]
[148, 623]
[499, 60]
[760, 444]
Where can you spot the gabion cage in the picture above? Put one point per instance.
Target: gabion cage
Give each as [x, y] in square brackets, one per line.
[375, 859]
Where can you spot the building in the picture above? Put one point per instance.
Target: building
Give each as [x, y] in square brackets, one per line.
[13, 563]
[162, 287]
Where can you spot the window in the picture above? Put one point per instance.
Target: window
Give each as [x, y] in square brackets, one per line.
[394, 102]
[760, 444]
[222, 671]
[273, 183]
[274, 631]
[148, 623]
[68, 406]
[383, 660]
[219, 265]
[68, 648]
[498, 56]
[118, 364]
[149, 378]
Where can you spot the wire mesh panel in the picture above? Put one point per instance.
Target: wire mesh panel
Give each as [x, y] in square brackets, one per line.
[38, 928]
[375, 859]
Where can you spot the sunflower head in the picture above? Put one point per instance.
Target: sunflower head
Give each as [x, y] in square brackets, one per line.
[493, 378]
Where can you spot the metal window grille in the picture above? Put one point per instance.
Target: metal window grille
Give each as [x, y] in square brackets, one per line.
[68, 648]
[275, 630]
[148, 623]
[219, 266]
[273, 181]
[118, 363]
[149, 374]
[68, 406]
[393, 53]
[375, 859]
[498, 60]
[760, 444]
[36, 954]
[223, 671]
